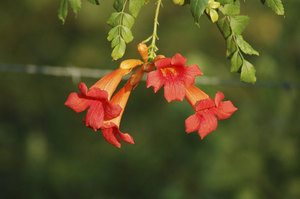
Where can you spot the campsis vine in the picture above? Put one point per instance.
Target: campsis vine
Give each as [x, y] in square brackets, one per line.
[104, 108]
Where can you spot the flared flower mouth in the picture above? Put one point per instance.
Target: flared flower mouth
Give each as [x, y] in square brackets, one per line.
[174, 75]
[96, 101]
[113, 135]
[206, 110]
[170, 72]
[110, 129]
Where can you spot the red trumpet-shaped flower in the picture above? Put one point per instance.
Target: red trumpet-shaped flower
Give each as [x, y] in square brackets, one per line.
[96, 100]
[110, 130]
[174, 75]
[206, 109]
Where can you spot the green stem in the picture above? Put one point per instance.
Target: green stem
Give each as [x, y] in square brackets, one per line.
[154, 37]
[121, 18]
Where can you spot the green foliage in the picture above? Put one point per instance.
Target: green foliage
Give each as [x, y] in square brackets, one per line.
[135, 6]
[75, 5]
[275, 5]
[63, 10]
[197, 8]
[121, 23]
[236, 62]
[244, 46]
[248, 72]
[230, 7]
[120, 34]
[224, 27]
[232, 26]
[119, 5]
[239, 23]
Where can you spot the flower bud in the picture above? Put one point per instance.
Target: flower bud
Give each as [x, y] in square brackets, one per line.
[143, 50]
[130, 64]
[158, 57]
[148, 67]
[178, 2]
[136, 77]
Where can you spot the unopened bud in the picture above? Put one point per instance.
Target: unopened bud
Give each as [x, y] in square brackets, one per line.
[136, 77]
[143, 50]
[178, 2]
[148, 67]
[158, 57]
[130, 64]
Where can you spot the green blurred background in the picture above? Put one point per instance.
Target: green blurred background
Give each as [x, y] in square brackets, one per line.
[47, 152]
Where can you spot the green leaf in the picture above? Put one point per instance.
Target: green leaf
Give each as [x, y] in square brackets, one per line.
[119, 49]
[236, 62]
[128, 20]
[95, 2]
[276, 6]
[114, 19]
[230, 9]
[239, 23]
[114, 32]
[231, 46]
[197, 8]
[244, 46]
[119, 4]
[121, 23]
[223, 2]
[135, 6]
[248, 72]
[63, 10]
[126, 34]
[224, 27]
[116, 41]
[75, 5]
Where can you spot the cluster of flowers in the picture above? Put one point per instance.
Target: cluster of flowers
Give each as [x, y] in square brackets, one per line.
[104, 113]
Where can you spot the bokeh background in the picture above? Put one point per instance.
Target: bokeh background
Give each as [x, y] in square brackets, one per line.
[46, 152]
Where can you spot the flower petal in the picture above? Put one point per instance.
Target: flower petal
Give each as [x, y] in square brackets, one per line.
[112, 134]
[218, 98]
[83, 88]
[130, 64]
[190, 73]
[205, 104]
[77, 102]
[215, 5]
[174, 90]
[155, 79]
[111, 137]
[178, 60]
[208, 123]
[192, 123]
[111, 111]
[126, 137]
[97, 94]
[224, 110]
[162, 63]
[95, 115]
[213, 15]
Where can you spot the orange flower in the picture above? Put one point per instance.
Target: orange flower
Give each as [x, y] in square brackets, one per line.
[204, 120]
[96, 99]
[110, 130]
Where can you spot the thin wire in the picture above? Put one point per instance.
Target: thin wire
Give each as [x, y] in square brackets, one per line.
[77, 73]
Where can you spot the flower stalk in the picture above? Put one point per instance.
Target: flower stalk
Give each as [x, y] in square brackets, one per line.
[152, 47]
